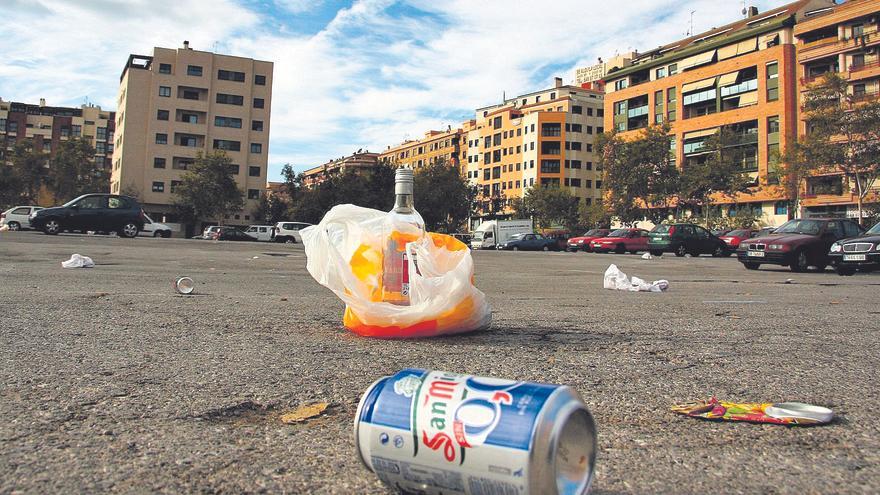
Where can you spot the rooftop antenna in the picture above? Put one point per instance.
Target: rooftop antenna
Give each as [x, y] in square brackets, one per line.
[745, 10]
[691, 29]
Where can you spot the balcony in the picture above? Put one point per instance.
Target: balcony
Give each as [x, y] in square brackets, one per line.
[866, 96]
[826, 47]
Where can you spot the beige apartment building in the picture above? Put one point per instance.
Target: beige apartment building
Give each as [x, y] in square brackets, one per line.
[436, 145]
[360, 161]
[179, 102]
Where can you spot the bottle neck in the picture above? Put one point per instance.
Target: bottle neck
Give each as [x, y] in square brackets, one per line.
[403, 202]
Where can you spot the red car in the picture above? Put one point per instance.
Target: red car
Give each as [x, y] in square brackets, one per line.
[734, 237]
[582, 243]
[621, 241]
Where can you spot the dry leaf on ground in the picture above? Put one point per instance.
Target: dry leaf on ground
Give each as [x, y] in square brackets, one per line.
[303, 413]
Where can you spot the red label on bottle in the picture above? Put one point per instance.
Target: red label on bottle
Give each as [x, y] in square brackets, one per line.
[404, 279]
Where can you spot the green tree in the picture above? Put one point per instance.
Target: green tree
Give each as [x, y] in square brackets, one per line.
[640, 176]
[593, 215]
[373, 188]
[10, 187]
[552, 206]
[443, 197]
[73, 172]
[719, 172]
[843, 133]
[271, 209]
[29, 165]
[207, 190]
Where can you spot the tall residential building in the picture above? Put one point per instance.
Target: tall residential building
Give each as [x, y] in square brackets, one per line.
[48, 126]
[742, 76]
[844, 39]
[179, 102]
[355, 161]
[598, 71]
[423, 152]
[544, 138]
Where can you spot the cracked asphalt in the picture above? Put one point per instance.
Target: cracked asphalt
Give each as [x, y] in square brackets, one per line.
[112, 383]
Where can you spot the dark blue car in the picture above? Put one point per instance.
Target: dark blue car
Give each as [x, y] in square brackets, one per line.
[529, 242]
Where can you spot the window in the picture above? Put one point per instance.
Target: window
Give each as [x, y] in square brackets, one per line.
[671, 100]
[496, 123]
[75, 129]
[174, 185]
[161, 138]
[256, 148]
[158, 187]
[858, 30]
[230, 99]
[259, 102]
[165, 91]
[228, 75]
[621, 84]
[233, 122]
[496, 139]
[577, 109]
[496, 156]
[573, 145]
[189, 118]
[224, 144]
[188, 141]
[162, 115]
[190, 94]
[253, 171]
[772, 81]
[257, 125]
[260, 80]
[551, 129]
[549, 166]
[575, 182]
[598, 184]
[179, 164]
[576, 164]
[233, 169]
[164, 68]
[660, 73]
[579, 128]
[487, 174]
[194, 70]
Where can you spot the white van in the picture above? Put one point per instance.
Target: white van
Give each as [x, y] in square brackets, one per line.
[265, 233]
[289, 231]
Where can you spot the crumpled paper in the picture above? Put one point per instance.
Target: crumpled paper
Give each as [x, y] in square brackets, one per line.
[78, 261]
[715, 409]
[617, 280]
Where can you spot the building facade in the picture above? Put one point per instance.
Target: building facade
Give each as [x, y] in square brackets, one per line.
[741, 76]
[415, 154]
[544, 138]
[179, 102]
[598, 71]
[355, 161]
[843, 39]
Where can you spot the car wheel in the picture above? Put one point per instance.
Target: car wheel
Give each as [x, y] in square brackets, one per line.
[515, 248]
[634, 252]
[52, 227]
[290, 240]
[14, 226]
[157, 233]
[719, 252]
[546, 248]
[129, 230]
[799, 262]
[620, 249]
[845, 271]
[656, 253]
[680, 251]
[751, 266]
[166, 234]
[820, 268]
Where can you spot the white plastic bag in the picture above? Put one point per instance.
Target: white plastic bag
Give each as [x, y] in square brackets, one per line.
[78, 261]
[617, 280]
[345, 255]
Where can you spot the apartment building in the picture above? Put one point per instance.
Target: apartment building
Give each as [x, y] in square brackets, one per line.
[49, 126]
[599, 70]
[544, 138]
[423, 152]
[356, 161]
[843, 39]
[178, 102]
[742, 76]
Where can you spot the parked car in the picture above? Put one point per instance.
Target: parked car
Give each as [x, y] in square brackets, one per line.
[797, 244]
[16, 218]
[734, 237]
[765, 231]
[154, 229]
[289, 231]
[721, 232]
[232, 234]
[210, 231]
[560, 236]
[857, 253]
[582, 243]
[685, 238]
[621, 241]
[265, 233]
[529, 242]
[92, 212]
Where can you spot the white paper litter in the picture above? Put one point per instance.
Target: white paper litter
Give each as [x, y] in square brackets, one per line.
[647, 256]
[78, 261]
[617, 280]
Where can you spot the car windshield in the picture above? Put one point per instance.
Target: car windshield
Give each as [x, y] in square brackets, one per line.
[738, 233]
[661, 229]
[810, 227]
[619, 233]
[591, 233]
[516, 237]
[73, 201]
[478, 236]
[875, 229]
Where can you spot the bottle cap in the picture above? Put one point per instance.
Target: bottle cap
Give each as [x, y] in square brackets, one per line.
[403, 181]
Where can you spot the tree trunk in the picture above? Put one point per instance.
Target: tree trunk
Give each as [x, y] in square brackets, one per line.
[859, 197]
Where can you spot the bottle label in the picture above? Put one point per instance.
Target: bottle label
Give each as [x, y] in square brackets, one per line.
[404, 286]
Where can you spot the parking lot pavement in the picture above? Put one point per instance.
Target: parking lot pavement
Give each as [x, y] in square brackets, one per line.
[112, 382]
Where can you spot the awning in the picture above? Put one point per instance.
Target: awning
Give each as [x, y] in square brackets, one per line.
[744, 46]
[699, 134]
[727, 79]
[767, 39]
[748, 99]
[699, 59]
[697, 85]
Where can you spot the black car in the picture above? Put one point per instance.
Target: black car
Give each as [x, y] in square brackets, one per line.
[92, 212]
[685, 238]
[529, 242]
[857, 253]
[232, 234]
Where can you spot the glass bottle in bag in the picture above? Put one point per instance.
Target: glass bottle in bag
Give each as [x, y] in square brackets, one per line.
[402, 225]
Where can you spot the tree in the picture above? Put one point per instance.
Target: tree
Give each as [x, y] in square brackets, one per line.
[443, 197]
[552, 206]
[593, 215]
[271, 209]
[207, 190]
[73, 171]
[640, 176]
[10, 187]
[717, 172]
[373, 188]
[29, 165]
[843, 133]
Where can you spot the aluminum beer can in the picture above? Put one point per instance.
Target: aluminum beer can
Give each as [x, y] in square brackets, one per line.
[184, 285]
[433, 432]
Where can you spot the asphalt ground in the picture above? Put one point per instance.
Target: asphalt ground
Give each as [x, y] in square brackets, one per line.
[111, 382]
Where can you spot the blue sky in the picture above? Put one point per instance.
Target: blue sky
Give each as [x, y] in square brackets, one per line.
[349, 75]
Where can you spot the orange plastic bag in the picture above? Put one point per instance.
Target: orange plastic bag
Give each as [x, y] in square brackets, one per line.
[345, 255]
